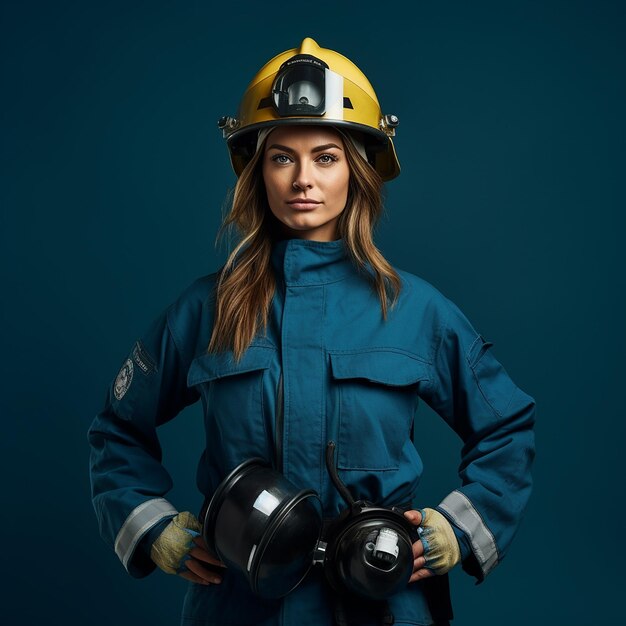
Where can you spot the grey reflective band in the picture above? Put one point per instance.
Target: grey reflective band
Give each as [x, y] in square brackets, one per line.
[140, 520]
[468, 519]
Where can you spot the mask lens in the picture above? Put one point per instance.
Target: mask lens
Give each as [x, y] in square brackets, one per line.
[305, 92]
[300, 87]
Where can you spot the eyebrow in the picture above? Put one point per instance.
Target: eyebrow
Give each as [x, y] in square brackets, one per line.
[326, 146]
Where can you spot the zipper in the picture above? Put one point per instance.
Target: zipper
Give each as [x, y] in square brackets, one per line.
[279, 424]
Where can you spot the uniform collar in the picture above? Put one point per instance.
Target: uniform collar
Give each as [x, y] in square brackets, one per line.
[305, 262]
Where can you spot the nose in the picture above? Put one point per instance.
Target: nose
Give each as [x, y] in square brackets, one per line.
[304, 179]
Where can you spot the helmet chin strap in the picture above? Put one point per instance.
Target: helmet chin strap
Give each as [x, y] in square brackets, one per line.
[264, 132]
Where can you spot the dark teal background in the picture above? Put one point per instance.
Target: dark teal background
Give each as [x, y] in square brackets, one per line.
[511, 201]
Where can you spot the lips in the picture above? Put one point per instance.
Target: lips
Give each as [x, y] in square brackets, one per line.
[303, 203]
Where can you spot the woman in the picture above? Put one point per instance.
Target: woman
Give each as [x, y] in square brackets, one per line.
[312, 337]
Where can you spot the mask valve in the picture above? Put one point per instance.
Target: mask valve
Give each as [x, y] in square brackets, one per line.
[386, 548]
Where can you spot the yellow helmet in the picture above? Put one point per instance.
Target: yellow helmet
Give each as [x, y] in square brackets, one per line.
[312, 85]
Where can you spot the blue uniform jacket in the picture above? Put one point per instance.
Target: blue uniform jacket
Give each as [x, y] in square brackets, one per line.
[342, 373]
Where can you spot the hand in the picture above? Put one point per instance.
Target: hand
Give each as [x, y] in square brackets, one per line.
[419, 560]
[195, 570]
[180, 550]
[437, 550]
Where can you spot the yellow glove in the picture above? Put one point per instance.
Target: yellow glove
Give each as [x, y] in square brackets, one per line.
[172, 545]
[441, 548]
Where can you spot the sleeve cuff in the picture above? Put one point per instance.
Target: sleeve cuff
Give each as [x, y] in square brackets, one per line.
[464, 544]
[145, 545]
[463, 516]
[141, 521]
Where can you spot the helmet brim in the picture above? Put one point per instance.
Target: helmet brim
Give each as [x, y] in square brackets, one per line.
[379, 147]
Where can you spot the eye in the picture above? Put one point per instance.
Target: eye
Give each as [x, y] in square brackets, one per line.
[281, 158]
[326, 158]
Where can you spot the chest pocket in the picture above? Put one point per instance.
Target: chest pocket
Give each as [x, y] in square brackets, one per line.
[376, 391]
[235, 419]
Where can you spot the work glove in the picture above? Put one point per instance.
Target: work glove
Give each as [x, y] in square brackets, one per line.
[170, 549]
[441, 548]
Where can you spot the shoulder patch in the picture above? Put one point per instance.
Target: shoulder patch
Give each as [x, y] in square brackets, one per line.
[143, 360]
[123, 379]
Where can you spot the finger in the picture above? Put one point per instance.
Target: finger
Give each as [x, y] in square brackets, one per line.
[418, 549]
[194, 578]
[419, 563]
[202, 555]
[421, 574]
[199, 541]
[415, 517]
[196, 567]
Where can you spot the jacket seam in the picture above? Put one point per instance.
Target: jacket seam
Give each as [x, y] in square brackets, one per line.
[470, 361]
[495, 411]
[443, 329]
[324, 417]
[177, 342]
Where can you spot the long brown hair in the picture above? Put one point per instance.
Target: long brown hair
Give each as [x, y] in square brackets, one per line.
[246, 282]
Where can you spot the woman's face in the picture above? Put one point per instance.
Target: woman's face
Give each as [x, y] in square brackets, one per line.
[306, 175]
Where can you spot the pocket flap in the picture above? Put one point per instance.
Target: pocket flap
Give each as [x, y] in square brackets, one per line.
[386, 366]
[212, 366]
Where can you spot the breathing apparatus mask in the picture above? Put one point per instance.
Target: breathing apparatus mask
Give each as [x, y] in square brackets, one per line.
[272, 533]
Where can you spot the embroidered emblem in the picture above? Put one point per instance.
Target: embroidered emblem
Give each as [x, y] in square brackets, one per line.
[142, 359]
[123, 380]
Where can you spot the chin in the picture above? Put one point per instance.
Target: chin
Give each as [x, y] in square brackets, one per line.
[303, 224]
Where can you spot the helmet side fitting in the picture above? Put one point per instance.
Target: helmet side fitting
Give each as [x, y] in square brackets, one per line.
[312, 85]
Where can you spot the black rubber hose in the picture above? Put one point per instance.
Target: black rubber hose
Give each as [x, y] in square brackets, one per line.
[332, 471]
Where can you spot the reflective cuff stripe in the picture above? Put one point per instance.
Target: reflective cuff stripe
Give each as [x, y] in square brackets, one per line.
[462, 512]
[141, 519]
